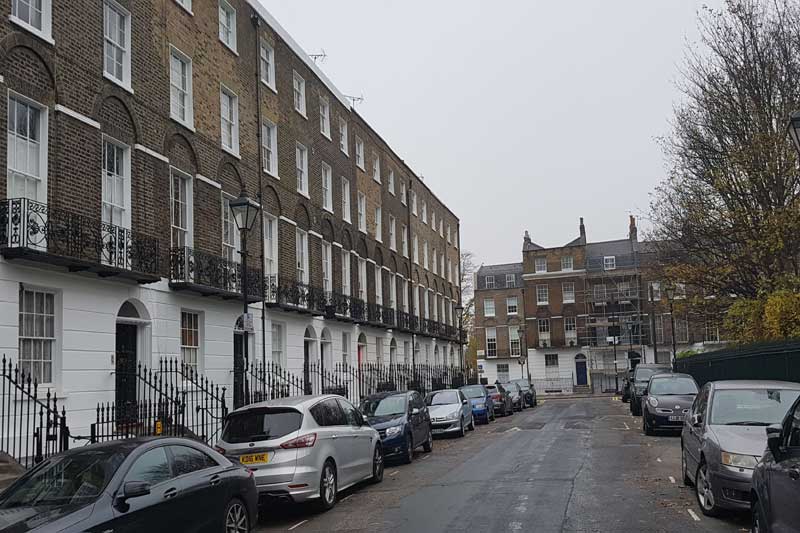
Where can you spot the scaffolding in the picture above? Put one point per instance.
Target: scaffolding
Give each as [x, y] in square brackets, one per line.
[613, 330]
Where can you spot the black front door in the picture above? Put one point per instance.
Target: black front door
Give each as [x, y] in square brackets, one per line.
[306, 367]
[125, 373]
[238, 369]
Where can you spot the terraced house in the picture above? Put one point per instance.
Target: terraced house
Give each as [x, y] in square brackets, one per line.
[132, 126]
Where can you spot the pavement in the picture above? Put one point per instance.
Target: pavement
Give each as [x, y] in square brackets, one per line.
[573, 465]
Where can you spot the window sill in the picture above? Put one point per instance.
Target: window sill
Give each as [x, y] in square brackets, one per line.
[344, 152]
[569, 301]
[231, 152]
[364, 231]
[230, 48]
[326, 135]
[186, 9]
[270, 86]
[30, 29]
[327, 209]
[270, 174]
[188, 125]
[347, 220]
[302, 114]
[361, 167]
[304, 194]
[116, 82]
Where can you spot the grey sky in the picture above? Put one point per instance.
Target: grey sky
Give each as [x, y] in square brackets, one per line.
[520, 114]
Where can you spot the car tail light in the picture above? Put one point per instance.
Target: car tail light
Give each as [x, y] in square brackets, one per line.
[306, 441]
[219, 449]
[495, 396]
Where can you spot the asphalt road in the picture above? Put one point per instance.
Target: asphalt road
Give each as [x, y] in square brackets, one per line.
[568, 465]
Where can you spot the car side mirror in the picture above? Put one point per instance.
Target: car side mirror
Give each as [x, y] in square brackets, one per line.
[774, 439]
[364, 420]
[464, 402]
[697, 420]
[134, 489]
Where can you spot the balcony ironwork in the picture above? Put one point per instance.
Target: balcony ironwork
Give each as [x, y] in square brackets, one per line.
[374, 313]
[403, 321]
[212, 275]
[37, 232]
[302, 297]
[358, 309]
[388, 317]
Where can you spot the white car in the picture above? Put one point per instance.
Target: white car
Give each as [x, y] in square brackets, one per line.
[303, 448]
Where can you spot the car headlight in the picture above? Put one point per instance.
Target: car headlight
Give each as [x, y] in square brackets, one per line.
[480, 405]
[739, 461]
[392, 431]
[652, 401]
[453, 415]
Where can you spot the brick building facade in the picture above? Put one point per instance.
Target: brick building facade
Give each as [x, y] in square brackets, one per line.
[131, 125]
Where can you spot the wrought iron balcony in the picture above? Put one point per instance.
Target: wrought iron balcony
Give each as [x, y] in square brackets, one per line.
[358, 309]
[37, 232]
[303, 297]
[212, 275]
[388, 317]
[374, 313]
[403, 321]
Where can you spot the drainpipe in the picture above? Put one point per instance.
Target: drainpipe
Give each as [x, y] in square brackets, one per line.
[256, 20]
[410, 293]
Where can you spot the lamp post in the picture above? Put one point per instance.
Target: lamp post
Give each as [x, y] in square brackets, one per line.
[669, 289]
[460, 310]
[245, 211]
[793, 129]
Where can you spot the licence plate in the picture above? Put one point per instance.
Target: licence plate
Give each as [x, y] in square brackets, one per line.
[254, 458]
[675, 418]
[437, 430]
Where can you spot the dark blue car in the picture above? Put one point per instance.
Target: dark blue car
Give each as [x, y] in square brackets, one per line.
[481, 400]
[402, 420]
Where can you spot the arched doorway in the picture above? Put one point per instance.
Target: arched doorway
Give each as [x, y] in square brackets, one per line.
[436, 355]
[309, 357]
[453, 357]
[326, 352]
[132, 346]
[580, 370]
[362, 349]
[393, 352]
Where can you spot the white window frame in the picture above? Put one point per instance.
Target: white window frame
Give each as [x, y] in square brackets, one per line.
[359, 153]
[346, 279]
[46, 31]
[491, 342]
[343, 137]
[188, 231]
[413, 202]
[326, 176]
[378, 284]
[376, 167]
[325, 117]
[277, 331]
[35, 333]
[269, 147]
[362, 212]
[230, 13]
[392, 233]
[42, 145]
[449, 235]
[433, 219]
[540, 264]
[362, 279]
[489, 282]
[542, 295]
[188, 120]
[233, 119]
[345, 186]
[489, 309]
[379, 224]
[126, 206]
[125, 80]
[656, 290]
[267, 64]
[301, 168]
[196, 347]
[511, 281]
[610, 262]
[270, 245]
[228, 247]
[327, 266]
[425, 255]
[424, 211]
[403, 193]
[514, 342]
[416, 250]
[567, 263]
[570, 329]
[512, 305]
[568, 292]
[404, 240]
[390, 184]
[299, 93]
[301, 256]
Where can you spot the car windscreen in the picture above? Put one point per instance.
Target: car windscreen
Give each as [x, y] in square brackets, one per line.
[523, 384]
[474, 391]
[643, 374]
[443, 398]
[510, 387]
[263, 423]
[667, 386]
[72, 480]
[390, 405]
[751, 407]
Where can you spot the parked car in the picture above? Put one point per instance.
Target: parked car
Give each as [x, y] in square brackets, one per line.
[517, 401]
[501, 399]
[723, 438]
[481, 400]
[450, 411]
[626, 387]
[528, 391]
[304, 448]
[134, 485]
[402, 421]
[776, 478]
[641, 376]
[666, 400]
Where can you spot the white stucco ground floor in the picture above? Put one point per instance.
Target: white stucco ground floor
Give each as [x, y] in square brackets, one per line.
[69, 330]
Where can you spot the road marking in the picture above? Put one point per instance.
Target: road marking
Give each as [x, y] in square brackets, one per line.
[297, 525]
[510, 430]
[515, 526]
[672, 480]
[394, 473]
[658, 459]
[696, 518]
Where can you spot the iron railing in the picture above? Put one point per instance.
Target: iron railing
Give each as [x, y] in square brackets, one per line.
[212, 274]
[31, 426]
[27, 225]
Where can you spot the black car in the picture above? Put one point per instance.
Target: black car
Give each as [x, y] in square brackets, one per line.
[402, 421]
[517, 400]
[641, 376]
[145, 484]
[528, 391]
[776, 478]
[666, 400]
[501, 399]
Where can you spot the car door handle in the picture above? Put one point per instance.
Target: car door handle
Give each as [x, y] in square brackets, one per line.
[170, 493]
[215, 480]
[794, 473]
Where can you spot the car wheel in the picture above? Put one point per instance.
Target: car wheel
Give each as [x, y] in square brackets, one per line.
[645, 426]
[408, 456]
[461, 431]
[471, 426]
[758, 525]
[328, 486]
[377, 465]
[684, 469]
[236, 518]
[428, 446]
[704, 492]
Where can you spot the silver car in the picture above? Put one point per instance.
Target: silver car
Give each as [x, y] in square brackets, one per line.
[724, 437]
[303, 448]
[450, 411]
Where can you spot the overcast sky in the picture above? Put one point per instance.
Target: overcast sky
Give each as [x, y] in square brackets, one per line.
[522, 114]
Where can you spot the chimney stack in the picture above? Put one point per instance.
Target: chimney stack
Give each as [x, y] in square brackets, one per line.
[527, 238]
[583, 230]
[633, 234]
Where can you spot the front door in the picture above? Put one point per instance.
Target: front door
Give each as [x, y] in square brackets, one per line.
[239, 388]
[125, 373]
[580, 372]
[306, 367]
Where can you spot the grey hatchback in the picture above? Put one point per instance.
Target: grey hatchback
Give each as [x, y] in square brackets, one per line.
[724, 437]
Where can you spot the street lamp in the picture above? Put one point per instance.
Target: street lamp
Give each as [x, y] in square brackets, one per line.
[794, 129]
[669, 289]
[460, 310]
[245, 211]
